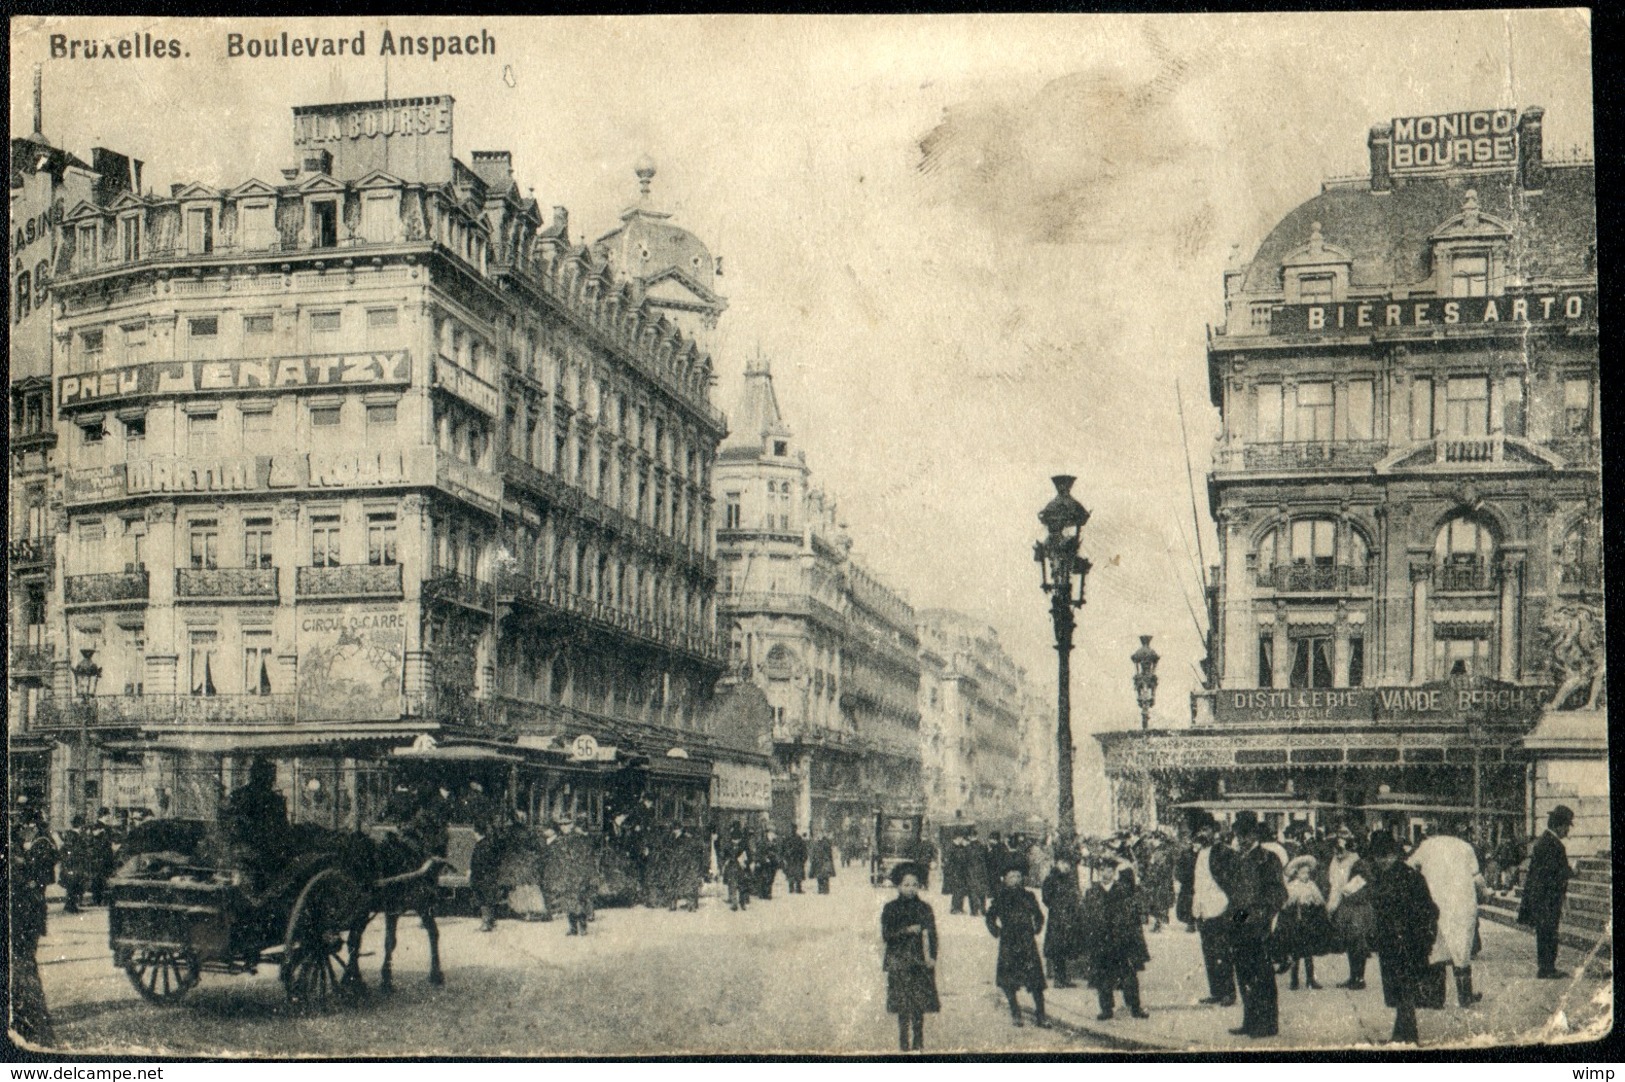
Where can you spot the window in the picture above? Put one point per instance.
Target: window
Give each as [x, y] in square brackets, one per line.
[1422, 409]
[200, 231]
[378, 217]
[201, 429]
[731, 512]
[1464, 548]
[324, 416]
[135, 539]
[1467, 407]
[324, 224]
[381, 539]
[324, 541]
[1311, 662]
[258, 225]
[781, 448]
[1269, 413]
[1314, 412]
[381, 325]
[380, 414]
[256, 426]
[87, 241]
[256, 663]
[1576, 407]
[205, 543]
[90, 343]
[324, 322]
[1580, 559]
[1361, 397]
[1356, 662]
[1315, 289]
[93, 431]
[202, 332]
[1462, 651]
[257, 542]
[262, 324]
[1258, 316]
[135, 436]
[204, 646]
[129, 231]
[135, 341]
[25, 296]
[1470, 275]
[1513, 419]
[1314, 541]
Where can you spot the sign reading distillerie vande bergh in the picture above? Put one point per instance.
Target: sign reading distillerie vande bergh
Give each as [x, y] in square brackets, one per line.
[1483, 699]
[1368, 317]
[391, 367]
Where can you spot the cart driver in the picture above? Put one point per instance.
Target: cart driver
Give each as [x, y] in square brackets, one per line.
[256, 819]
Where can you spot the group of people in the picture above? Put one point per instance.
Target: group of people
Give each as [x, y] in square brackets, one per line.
[749, 863]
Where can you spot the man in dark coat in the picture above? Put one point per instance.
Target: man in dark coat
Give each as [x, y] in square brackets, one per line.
[105, 841]
[483, 864]
[1015, 920]
[1185, 880]
[821, 862]
[767, 864]
[1406, 923]
[570, 875]
[78, 864]
[255, 820]
[1210, 907]
[794, 855]
[1251, 879]
[33, 858]
[977, 879]
[1119, 951]
[1544, 888]
[1064, 932]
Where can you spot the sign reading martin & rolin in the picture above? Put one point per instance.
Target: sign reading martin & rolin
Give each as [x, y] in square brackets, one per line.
[1445, 701]
[1368, 317]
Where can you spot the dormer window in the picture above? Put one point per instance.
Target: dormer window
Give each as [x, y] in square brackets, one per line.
[1470, 274]
[258, 225]
[86, 242]
[200, 231]
[1316, 289]
[379, 217]
[324, 224]
[781, 448]
[129, 230]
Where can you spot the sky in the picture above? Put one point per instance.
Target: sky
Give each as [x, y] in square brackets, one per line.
[977, 250]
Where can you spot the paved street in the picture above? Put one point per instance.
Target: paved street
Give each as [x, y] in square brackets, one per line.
[799, 973]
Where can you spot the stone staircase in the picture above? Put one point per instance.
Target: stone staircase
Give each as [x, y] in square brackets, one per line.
[1587, 910]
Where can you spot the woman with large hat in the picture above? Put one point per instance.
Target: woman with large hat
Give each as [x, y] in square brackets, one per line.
[1348, 903]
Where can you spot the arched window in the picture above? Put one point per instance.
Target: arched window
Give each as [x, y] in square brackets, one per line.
[1464, 550]
[1312, 554]
[1580, 558]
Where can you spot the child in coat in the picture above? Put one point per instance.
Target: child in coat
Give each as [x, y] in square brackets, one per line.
[909, 929]
[1302, 930]
[1015, 920]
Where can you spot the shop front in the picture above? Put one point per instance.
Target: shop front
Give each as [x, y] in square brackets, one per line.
[741, 793]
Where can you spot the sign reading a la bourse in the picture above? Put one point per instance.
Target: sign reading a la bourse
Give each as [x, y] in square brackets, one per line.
[1477, 138]
[405, 137]
[1447, 701]
[1368, 317]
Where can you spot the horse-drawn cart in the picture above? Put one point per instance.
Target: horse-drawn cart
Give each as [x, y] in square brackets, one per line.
[180, 907]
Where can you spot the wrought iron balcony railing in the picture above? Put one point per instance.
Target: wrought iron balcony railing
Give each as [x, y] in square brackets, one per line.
[1466, 577]
[1468, 450]
[31, 659]
[348, 580]
[544, 594]
[446, 585]
[1314, 578]
[27, 553]
[1581, 576]
[112, 588]
[226, 583]
[1309, 455]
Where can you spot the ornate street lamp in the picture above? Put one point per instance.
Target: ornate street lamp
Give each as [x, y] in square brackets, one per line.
[1061, 568]
[1145, 679]
[85, 675]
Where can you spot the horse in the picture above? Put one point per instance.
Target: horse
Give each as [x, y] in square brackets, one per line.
[400, 874]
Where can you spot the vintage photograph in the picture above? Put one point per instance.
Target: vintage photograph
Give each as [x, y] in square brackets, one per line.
[847, 536]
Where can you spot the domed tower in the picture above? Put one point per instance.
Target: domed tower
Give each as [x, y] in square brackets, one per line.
[670, 266]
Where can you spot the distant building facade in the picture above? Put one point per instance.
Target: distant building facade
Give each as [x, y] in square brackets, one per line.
[831, 646]
[1407, 497]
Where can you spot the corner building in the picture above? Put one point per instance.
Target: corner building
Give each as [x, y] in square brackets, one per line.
[371, 451]
[1407, 493]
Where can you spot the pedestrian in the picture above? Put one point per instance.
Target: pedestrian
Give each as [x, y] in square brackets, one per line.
[519, 872]
[1545, 884]
[1159, 881]
[738, 874]
[483, 865]
[106, 839]
[953, 872]
[767, 864]
[924, 854]
[1348, 902]
[570, 874]
[821, 862]
[1406, 923]
[1185, 881]
[693, 864]
[1119, 951]
[33, 868]
[77, 864]
[1251, 880]
[1210, 907]
[1449, 866]
[1015, 920]
[794, 855]
[1063, 928]
[977, 880]
[908, 928]
[1303, 929]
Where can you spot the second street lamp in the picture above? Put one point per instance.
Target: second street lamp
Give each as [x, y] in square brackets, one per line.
[1061, 569]
[1145, 679]
[85, 676]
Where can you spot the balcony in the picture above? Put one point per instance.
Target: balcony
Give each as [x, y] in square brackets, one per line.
[1578, 450]
[1466, 578]
[1306, 578]
[459, 589]
[518, 472]
[1577, 578]
[1471, 450]
[553, 597]
[32, 661]
[126, 711]
[116, 588]
[1341, 454]
[348, 581]
[226, 584]
[31, 554]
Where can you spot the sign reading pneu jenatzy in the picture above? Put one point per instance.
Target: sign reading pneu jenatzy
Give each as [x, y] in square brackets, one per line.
[336, 370]
[406, 137]
[1476, 138]
[1365, 317]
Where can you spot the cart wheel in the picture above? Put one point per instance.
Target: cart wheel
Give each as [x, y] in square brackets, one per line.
[312, 958]
[160, 974]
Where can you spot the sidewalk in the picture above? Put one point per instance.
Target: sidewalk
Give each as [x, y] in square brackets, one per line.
[1516, 1007]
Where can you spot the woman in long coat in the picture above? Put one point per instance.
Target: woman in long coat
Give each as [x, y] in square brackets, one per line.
[1015, 920]
[1348, 901]
[1159, 881]
[909, 929]
[1063, 932]
[821, 862]
[1119, 948]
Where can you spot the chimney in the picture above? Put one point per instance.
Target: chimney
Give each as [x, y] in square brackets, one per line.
[115, 174]
[1381, 137]
[1531, 160]
[39, 103]
[318, 161]
[495, 168]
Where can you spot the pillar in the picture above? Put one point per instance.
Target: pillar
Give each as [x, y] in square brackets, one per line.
[1511, 588]
[1421, 654]
[1283, 660]
[1340, 647]
[804, 793]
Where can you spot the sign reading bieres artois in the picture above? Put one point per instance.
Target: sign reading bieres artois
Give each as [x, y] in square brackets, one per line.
[408, 138]
[351, 662]
[1371, 317]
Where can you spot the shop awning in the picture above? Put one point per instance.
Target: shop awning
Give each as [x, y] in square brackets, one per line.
[662, 766]
[456, 753]
[234, 743]
[1410, 808]
[1260, 804]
